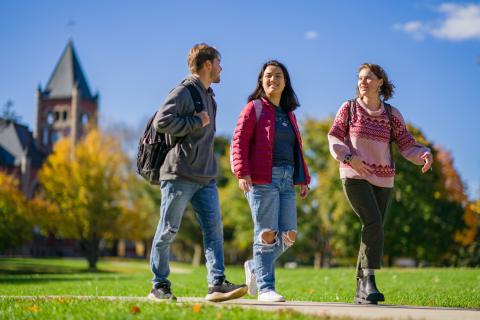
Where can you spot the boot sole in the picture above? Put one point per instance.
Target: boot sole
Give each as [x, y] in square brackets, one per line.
[219, 296]
[272, 300]
[358, 300]
[375, 297]
[151, 296]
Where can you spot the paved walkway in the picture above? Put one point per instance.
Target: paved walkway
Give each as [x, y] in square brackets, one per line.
[383, 312]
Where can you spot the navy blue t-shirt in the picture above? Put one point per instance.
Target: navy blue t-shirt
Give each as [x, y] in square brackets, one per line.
[284, 141]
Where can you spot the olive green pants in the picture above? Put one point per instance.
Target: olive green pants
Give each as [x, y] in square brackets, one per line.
[371, 204]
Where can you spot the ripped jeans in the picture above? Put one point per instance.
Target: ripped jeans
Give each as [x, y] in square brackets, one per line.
[176, 194]
[273, 210]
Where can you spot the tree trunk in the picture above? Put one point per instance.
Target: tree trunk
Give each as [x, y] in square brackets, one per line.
[148, 248]
[92, 261]
[390, 259]
[327, 253]
[317, 260]
[89, 248]
[197, 255]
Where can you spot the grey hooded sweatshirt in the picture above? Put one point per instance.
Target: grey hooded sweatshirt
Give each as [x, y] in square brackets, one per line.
[193, 159]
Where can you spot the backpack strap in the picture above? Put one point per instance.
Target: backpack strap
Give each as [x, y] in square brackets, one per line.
[388, 110]
[351, 112]
[258, 106]
[197, 99]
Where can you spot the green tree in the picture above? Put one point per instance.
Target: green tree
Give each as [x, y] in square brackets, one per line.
[237, 217]
[468, 251]
[328, 229]
[424, 217]
[422, 222]
[139, 213]
[8, 112]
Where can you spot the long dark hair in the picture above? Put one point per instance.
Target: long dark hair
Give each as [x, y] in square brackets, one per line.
[288, 100]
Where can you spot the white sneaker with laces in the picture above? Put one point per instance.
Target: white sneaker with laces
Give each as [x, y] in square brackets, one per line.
[270, 296]
[250, 279]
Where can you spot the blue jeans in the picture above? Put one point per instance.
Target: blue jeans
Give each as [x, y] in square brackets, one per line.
[176, 194]
[273, 209]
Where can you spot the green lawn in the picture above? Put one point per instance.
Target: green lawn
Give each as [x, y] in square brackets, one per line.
[40, 277]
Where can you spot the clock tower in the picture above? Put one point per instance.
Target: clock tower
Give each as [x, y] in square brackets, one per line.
[66, 106]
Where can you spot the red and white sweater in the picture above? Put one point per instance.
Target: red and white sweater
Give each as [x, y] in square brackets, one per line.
[368, 138]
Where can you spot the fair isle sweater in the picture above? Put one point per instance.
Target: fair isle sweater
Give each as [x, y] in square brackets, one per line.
[368, 138]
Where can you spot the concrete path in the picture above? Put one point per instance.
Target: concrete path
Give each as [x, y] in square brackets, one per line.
[383, 312]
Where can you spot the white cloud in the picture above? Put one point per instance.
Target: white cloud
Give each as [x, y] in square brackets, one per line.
[460, 22]
[415, 28]
[310, 35]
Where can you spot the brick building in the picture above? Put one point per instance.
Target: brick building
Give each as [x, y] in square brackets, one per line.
[63, 109]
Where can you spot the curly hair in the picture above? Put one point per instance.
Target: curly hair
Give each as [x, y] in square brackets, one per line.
[388, 88]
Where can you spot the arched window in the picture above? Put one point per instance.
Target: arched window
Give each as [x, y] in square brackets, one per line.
[50, 118]
[84, 119]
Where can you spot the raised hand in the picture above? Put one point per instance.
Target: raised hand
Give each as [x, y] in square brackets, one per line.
[428, 159]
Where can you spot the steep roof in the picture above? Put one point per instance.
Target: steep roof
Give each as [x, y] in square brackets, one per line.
[15, 141]
[67, 73]
[6, 158]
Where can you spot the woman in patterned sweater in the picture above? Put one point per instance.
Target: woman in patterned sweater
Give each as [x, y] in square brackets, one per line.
[360, 140]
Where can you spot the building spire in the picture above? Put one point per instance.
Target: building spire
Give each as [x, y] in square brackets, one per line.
[67, 74]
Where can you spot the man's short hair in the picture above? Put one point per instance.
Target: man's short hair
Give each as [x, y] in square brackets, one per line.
[199, 54]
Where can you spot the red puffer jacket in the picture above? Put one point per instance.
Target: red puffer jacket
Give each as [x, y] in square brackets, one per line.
[252, 145]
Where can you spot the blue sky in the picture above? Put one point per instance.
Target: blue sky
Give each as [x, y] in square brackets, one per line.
[134, 52]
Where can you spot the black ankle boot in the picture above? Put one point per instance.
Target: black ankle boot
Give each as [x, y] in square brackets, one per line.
[367, 292]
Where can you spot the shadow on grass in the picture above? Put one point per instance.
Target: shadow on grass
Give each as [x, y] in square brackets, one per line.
[28, 268]
[48, 279]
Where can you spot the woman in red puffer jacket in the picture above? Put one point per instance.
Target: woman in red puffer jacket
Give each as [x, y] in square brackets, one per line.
[267, 159]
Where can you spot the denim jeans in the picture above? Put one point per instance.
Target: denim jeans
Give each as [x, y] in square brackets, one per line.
[176, 194]
[273, 209]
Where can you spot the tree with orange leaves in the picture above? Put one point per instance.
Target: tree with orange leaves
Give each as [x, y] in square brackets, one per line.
[14, 214]
[87, 183]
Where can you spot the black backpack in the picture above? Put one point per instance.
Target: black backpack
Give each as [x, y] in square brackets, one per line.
[154, 146]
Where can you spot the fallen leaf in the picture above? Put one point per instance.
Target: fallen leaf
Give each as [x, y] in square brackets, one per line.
[135, 309]
[197, 307]
[34, 308]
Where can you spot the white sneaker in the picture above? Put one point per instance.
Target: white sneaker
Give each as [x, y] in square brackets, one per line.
[270, 296]
[250, 279]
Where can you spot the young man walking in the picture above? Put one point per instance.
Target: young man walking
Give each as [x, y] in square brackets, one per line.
[188, 175]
